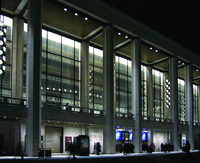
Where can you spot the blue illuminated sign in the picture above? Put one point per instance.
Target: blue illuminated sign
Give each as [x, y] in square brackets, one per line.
[118, 135]
[144, 136]
[130, 136]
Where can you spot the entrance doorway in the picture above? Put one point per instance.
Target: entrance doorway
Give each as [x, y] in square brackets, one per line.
[54, 138]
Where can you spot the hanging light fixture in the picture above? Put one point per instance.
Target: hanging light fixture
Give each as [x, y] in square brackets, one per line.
[3, 30]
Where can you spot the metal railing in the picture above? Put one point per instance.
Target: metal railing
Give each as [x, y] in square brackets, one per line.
[73, 109]
[124, 115]
[9, 101]
[156, 119]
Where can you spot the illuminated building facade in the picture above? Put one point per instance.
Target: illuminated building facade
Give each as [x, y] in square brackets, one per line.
[72, 69]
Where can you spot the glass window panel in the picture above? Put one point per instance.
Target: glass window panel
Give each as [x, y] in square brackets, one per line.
[77, 91]
[98, 106]
[123, 110]
[98, 93]
[123, 99]
[54, 64]
[77, 68]
[6, 82]
[54, 43]
[68, 47]
[129, 68]
[98, 76]
[123, 82]
[43, 61]
[53, 85]
[68, 68]
[68, 88]
[43, 85]
[44, 39]
[9, 23]
[8, 53]
[129, 84]
[77, 51]
[91, 51]
[98, 58]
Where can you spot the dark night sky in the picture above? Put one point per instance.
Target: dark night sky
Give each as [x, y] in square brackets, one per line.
[176, 19]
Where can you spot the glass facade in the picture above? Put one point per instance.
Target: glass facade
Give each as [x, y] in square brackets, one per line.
[123, 85]
[144, 90]
[158, 112]
[5, 80]
[95, 78]
[181, 100]
[195, 104]
[61, 77]
[60, 69]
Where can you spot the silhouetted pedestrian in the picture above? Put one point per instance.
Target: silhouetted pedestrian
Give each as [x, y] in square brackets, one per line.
[72, 150]
[187, 147]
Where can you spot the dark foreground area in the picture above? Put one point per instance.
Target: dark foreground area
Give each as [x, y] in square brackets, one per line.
[148, 158]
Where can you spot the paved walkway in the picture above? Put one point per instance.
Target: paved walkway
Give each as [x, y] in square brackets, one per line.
[155, 157]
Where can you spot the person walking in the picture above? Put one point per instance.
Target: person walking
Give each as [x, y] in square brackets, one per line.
[187, 147]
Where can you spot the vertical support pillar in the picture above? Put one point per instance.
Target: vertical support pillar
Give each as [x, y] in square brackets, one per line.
[150, 91]
[85, 74]
[198, 102]
[108, 90]
[17, 58]
[173, 78]
[33, 75]
[189, 103]
[136, 92]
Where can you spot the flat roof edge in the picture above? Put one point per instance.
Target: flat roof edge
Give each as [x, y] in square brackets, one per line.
[113, 16]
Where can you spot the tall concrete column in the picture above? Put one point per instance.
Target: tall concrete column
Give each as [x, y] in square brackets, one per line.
[108, 90]
[198, 93]
[189, 103]
[17, 58]
[173, 78]
[33, 76]
[136, 92]
[149, 91]
[85, 74]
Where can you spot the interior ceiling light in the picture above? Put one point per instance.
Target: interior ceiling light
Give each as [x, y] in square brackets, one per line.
[151, 48]
[119, 33]
[65, 9]
[76, 14]
[86, 18]
[126, 36]
[156, 50]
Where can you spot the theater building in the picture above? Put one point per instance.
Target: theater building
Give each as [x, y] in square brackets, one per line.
[77, 67]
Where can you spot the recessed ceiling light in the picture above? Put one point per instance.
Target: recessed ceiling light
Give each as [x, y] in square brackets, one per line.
[197, 69]
[65, 9]
[119, 33]
[86, 18]
[76, 14]
[151, 48]
[126, 36]
[156, 51]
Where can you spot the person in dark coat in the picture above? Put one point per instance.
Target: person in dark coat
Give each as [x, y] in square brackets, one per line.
[187, 147]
